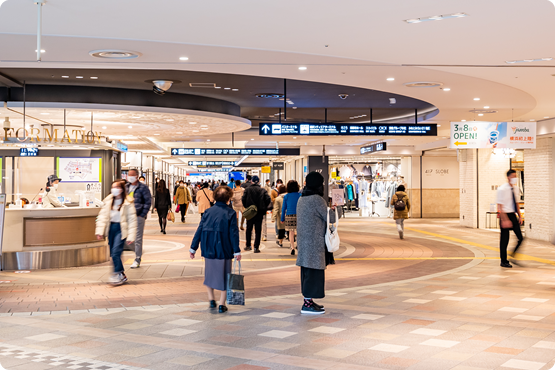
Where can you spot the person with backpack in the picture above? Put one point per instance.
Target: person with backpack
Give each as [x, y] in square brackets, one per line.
[255, 200]
[401, 203]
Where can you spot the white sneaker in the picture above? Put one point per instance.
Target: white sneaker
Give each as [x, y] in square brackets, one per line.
[114, 279]
[118, 279]
[136, 264]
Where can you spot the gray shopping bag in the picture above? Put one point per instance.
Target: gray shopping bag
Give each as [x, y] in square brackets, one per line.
[235, 287]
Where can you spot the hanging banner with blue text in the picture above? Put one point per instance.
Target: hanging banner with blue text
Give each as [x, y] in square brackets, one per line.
[483, 135]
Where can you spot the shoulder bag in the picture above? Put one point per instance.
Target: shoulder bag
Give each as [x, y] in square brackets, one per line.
[211, 203]
[332, 237]
[251, 211]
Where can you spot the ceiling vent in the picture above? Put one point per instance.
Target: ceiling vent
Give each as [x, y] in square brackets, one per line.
[209, 85]
[483, 111]
[423, 84]
[270, 96]
[115, 54]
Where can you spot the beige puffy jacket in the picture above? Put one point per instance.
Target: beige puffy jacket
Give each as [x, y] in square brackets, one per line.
[128, 221]
[50, 199]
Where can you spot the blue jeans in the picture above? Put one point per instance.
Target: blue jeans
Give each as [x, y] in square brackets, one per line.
[116, 246]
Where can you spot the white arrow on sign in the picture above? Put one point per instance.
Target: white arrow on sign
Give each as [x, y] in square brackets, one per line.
[265, 129]
[174, 151]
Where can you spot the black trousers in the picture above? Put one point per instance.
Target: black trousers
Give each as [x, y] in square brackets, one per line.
[255, 222]
[313, 283]
[504, 242]
[183, 210]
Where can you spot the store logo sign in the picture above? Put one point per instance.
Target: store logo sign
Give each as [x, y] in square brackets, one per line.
[519, 129]
[52, 136]
[440, 172]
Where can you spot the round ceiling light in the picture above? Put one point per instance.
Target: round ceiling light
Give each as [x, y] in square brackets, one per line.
[115, 54]
[270, 96]
[423, 84]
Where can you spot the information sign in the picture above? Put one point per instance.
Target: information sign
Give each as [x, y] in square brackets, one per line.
[207, 163]
[212, 170]
[501, 135]
[234, 151]
[209, 166]
[328, 129]
[28, 152]
[79, 169]
[373, 148]
[279, 166]
[266, 169]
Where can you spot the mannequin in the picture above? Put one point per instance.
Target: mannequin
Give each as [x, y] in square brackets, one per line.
[362, 195]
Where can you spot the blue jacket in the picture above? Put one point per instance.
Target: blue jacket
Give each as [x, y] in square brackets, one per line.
[218, 233]
[143, 199]
[290, 201]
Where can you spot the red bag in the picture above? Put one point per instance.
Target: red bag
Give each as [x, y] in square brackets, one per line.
[177, 208]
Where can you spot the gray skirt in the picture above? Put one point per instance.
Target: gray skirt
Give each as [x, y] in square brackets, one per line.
[215, 273]
[290, 222]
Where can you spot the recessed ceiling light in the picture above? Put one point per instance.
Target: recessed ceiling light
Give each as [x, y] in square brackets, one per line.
[196, 130]
[170, 120]
[480, 114]
[94, 78]
[78, 76]
[446, 89]
[104, 127]
[179, 132]
[252, 139]
[438, 125]
[192, 123]
[217, 87]
[207, 139]
[303, 68]
[294, 137]
[227, 88]
[463, 120]
[531, 120]
[436, 18]
[183, 58]
[129, 126]
[65, 76]
[391, 79]
[235, 90]
[528, 60]
[486, 107]
[41, 50]
[545, 117]
[476, 99]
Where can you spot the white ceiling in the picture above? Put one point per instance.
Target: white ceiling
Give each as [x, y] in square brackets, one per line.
[367, 42]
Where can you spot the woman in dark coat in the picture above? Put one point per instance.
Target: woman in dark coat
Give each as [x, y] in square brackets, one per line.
[162, 204]
[218, 237]
[312, 213]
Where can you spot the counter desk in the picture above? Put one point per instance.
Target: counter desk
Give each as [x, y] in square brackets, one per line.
[45, 238]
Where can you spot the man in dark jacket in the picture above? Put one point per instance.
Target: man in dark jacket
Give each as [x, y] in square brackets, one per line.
[258, 196]
[143, 201]
[247, 183]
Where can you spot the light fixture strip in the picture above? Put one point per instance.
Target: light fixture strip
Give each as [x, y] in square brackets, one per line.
[528, 60]
[436, 18]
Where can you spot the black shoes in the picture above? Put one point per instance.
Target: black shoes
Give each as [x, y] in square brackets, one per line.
[248, 248]
[164, 231]
[279, 244]
[222, 309]
[292, 252]
[506, 265]
[256, 250]
[310, 308]
[213, 304]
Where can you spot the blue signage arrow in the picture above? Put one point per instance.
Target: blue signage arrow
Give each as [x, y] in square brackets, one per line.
[174, 151]
[265, 129]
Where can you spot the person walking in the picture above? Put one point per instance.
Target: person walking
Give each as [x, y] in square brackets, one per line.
[276, 215]
[247, 183]
[268, 187]
[257, 196]
[183, 198]
[218, 248]
[204, 198]
[510, 218]
[237, 202]
[162, 204]
[289, 211]
[312, 214]
[117, 220]
[194, 193]
[400, 199]
[143, 200]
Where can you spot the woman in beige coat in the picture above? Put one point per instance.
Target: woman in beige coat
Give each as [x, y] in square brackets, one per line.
[204, 198]
[117, 220]
[400, 215]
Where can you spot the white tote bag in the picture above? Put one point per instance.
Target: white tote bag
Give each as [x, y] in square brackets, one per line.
[332, 237]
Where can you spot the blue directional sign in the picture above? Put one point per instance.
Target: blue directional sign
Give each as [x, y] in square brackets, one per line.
[234, 151]
[329, 129]
[28, 152]
[378, 147]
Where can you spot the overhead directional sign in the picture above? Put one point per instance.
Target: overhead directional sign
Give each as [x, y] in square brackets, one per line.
[234, 151]
[378, 147]
[209, 163]
[328, 129]
[500, 135]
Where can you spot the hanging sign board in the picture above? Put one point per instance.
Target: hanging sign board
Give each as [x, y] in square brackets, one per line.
[205, 163]
[234, 151]
[266, 169]
[378, 147]
[327, 129]
[501, 135]
[28, 152]
[278, 166]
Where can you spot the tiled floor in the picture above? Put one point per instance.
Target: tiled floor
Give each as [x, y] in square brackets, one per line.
[436, 300]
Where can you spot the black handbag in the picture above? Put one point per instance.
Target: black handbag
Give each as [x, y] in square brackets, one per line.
[235, 287]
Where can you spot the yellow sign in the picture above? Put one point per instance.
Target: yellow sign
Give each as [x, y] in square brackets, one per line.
[266, 169]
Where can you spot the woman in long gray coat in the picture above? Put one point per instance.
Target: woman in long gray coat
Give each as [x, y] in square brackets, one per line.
[313, 258]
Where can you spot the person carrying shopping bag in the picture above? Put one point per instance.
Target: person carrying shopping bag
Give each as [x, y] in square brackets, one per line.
[117, 220]
[182, 199]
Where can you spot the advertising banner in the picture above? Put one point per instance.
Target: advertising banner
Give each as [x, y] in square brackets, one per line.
[483, 135]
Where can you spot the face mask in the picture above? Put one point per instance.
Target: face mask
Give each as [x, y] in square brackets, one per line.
[132, 179]
[142, 181]
[182, 185]
[116, 192]
[513, 181]
[55, 186]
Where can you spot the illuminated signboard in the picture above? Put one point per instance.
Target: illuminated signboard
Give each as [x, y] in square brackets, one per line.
[328, 129]
[234, 151]
[207, 163]
[28, 152]
[373, 148]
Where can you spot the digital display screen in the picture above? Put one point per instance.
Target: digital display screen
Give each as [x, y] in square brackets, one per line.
[28, 152]
[234, 151]
[373, 148]
[328, 129]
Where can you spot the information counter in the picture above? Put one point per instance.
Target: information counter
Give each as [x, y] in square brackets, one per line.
[45, 238]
